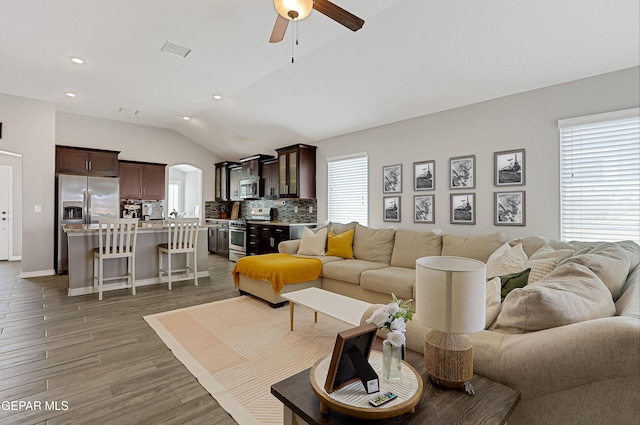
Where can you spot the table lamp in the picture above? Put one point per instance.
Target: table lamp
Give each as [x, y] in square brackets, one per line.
[450, 299]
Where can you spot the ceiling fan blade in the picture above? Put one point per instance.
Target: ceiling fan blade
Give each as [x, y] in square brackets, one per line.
[338, 14]
[279, 29]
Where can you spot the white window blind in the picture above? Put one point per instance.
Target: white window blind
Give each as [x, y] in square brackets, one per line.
[600, 177]
[174, 197]
[348, 184]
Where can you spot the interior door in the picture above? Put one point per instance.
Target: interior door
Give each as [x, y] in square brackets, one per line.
[5, 222]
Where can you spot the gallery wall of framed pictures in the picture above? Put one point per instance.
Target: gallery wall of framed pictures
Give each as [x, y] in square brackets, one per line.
[509, 206]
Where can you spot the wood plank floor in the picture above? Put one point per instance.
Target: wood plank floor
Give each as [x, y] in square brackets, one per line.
[99, 361]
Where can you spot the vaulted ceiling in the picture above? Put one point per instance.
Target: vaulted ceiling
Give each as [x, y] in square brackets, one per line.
[411, 58]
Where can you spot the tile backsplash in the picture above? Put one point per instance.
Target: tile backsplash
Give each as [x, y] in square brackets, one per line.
[293, 210]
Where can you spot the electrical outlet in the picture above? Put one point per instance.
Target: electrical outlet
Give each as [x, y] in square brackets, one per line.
[310, 209]
[295, 209]
[37, 209]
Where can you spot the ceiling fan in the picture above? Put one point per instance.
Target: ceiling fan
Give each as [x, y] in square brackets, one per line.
[295, 10]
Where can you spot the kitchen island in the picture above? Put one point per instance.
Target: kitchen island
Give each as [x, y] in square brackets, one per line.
[83, 238]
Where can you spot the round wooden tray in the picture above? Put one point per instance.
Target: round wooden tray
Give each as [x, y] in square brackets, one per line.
[352, 400]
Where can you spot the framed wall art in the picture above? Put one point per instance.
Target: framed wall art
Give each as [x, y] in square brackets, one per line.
[509, 167]
[424, 175]
[391, 208]
[462, 172]
[509, 208]
[424, 209]
[463, 208]
[392, 178]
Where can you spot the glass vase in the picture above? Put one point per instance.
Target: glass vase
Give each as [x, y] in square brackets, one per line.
[391, 362]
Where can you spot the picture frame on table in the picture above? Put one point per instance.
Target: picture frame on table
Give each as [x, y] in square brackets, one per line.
[463, 208]
[346, 368]
[462, 172]
[509, 167]
[424, 209]
[510, 208]
[424, 175]
[391, 208]
[392, 178]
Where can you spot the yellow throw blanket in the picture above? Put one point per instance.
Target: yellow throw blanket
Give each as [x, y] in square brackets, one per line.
[279, 269]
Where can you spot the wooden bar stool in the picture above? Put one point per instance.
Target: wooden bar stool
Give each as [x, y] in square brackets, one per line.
[116, 239]
[183, 239]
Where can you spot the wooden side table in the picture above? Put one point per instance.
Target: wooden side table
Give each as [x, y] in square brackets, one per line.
[492, 404]
[353, 401]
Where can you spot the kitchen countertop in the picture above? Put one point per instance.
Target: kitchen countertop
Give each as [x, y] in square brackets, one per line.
[280, 223]
[142, 226]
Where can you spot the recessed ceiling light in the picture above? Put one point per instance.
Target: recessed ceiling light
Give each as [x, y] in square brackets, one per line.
[79, 61]
[186, 118]
[70, 94]
[217, 97]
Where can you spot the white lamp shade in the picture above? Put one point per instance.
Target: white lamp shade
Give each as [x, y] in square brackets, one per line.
[302, 7]
[451, 294]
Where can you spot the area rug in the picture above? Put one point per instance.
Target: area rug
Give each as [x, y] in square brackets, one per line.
[237, 348]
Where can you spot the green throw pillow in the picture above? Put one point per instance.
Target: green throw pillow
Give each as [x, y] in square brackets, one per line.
[511, 281]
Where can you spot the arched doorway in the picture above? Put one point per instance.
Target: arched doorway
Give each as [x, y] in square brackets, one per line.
[184, 191]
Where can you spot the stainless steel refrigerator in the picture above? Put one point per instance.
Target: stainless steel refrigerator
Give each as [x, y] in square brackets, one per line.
[83, 200]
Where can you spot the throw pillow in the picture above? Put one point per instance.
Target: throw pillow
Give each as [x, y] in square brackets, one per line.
[476, 247]
[493, 300]
[340, 245]
[570, 294]
[511, 262]
[494, 260]
[371, 244]
[313, 243]
[511, 281]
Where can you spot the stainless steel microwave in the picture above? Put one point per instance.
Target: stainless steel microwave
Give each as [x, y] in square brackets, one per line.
[250, 188]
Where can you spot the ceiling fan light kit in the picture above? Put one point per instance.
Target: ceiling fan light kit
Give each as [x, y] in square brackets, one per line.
[293, 9]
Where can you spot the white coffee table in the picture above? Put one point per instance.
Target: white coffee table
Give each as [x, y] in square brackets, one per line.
[338, 306]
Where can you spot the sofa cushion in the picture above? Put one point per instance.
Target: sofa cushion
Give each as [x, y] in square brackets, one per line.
[531, 244]
[340, 245]
[547, 251]
[610, 262]
[396, 280]
[512, 261]
[476, 247]
[410, 245]
[570, 294]
[313, 243]
[349, 270]
[372, 244]
[629, 302]
[325, 259]
[494, 260]
[339, 228]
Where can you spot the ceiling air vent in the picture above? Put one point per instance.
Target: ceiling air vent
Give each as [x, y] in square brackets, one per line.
[128, 111]
[174, 49]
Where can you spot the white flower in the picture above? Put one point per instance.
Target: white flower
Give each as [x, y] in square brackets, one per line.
[398, 324]
[393, 308]
[379, 317]
[396, 338]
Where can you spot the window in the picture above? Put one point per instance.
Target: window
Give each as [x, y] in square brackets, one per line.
[174, 199]
[600, 177]
[348, 184]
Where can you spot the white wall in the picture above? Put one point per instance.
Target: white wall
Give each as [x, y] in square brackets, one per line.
[527, 120]
[15, 243]
[28, 128]
[192, 188]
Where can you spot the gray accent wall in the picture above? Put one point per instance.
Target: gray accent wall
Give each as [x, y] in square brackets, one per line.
[527, 120]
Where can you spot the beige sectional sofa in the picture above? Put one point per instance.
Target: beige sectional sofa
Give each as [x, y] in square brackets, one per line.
[569, 342]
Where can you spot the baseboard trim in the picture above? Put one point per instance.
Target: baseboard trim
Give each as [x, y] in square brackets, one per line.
[38, 273]
[86, 290]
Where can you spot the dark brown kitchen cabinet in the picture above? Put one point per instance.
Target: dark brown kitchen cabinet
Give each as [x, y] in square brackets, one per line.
[254, 239]
[223, 182]
[235, 173]
[297, 171]
[87, 162]
[270, 176]
[252, 165]
[142, 181]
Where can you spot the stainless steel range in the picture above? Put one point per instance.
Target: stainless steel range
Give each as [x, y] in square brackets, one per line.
[238, 232]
